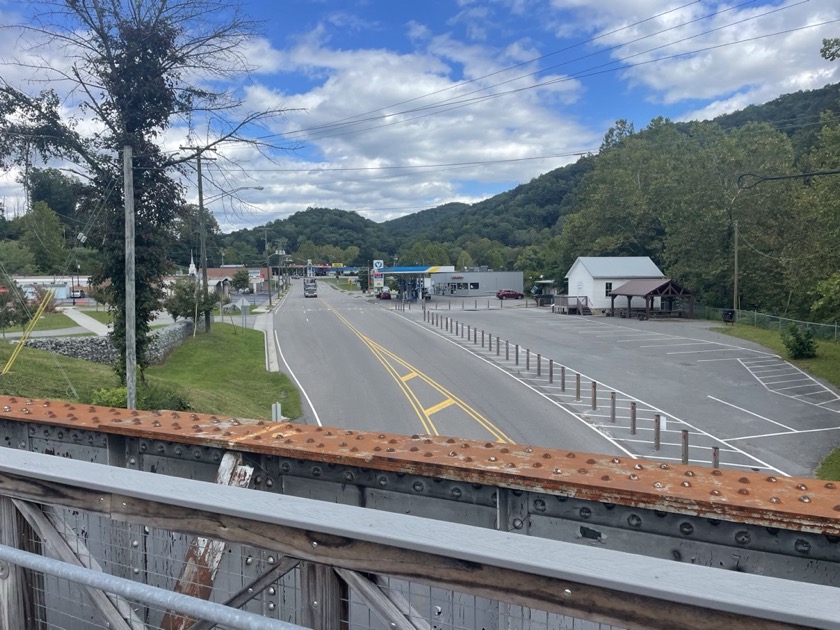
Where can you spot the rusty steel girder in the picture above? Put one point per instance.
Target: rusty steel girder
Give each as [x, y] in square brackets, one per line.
[791, 503]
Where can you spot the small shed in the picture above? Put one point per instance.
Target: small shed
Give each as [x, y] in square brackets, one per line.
[591, 278]
[654, 293]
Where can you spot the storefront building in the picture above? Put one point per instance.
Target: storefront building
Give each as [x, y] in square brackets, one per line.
[475, 283]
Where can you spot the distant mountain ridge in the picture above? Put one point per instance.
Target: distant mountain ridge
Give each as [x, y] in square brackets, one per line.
[529, 212]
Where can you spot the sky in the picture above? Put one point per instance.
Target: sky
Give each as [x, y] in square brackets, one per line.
[396, 106]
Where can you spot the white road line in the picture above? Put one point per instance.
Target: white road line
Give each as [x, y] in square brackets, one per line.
[671, 345]
[723, 402]
[300, 387]
[764, 435]
[704, 351]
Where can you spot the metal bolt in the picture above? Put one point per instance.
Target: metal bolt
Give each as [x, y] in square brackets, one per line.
[634, 520]
[742, 537]
[314, 544]
[518, 523]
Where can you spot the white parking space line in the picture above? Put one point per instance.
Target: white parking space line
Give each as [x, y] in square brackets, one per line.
[723, 402]
[770, 435]
[715, 350]
[775, 377]
[672, 345]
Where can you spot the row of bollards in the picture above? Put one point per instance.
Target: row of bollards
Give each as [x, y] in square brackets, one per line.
[472, 334]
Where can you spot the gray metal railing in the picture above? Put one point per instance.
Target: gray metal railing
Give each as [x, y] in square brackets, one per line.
[556, 577]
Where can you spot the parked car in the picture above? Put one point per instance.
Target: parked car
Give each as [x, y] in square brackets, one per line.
[509, 294]
[385, 295]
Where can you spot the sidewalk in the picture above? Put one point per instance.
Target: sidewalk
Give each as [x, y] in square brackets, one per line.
[85, 321]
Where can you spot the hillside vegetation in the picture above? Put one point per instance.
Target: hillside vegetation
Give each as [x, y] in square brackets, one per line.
[676, 192]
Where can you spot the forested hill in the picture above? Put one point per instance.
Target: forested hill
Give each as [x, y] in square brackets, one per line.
[669, 191]
[518, 217]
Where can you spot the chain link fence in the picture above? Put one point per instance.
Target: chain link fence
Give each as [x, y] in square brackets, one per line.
[825, 332]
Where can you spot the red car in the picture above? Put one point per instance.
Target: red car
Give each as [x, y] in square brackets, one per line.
[509, 294]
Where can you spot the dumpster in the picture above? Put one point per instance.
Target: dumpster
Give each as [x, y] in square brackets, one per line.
[729, 316]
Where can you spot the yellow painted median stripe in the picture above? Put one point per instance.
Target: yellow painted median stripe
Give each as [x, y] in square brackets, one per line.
[441, 405]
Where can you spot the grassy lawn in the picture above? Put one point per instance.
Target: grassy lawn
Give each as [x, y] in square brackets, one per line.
[224, 373]
[220, 373]
[103, 316]
[48, 321]
[826, 365]
[342, 283]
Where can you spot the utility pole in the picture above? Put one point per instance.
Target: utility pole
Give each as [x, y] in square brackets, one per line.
[203, 227]
[130, 305]
[267, 264]
[735, 283]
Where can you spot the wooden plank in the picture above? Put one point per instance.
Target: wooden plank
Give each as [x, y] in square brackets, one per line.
[201, 564]
[324, 598]
[12, 609]
[576, 580]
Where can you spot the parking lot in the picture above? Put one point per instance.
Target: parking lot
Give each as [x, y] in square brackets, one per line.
[731, 396]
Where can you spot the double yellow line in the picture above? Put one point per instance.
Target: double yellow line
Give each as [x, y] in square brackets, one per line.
[389, 361]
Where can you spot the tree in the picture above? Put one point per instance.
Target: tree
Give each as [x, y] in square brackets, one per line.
[831, 49]
[185, 299]
[13, 307]
[15, 259]
[240, 279]
[61, 193]
[131, 63]
[44, 238]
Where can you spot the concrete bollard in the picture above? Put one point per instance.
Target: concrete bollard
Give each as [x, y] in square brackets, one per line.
[517, 355]
[612, 407]
[685, 446]
[507, 350]
[633, 418]
[482, 338]
[527, 360]
[562, 378]
[539, 364]
[594, 395]
[577, 387]
[551, 371]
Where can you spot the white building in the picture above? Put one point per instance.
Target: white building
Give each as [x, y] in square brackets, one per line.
[475, 283]
[593, 277]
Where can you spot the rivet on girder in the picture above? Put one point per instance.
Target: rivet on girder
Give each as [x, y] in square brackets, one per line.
[805, 499]
[634, 520]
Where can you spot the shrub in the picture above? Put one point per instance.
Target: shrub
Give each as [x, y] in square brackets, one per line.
[149, 397]
[800, 344]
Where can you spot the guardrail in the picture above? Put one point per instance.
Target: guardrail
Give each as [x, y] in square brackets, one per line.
[339, 527]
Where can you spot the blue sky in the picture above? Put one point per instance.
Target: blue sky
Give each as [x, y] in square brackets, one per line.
[464, 99]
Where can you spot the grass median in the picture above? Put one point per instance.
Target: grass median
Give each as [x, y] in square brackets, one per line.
[222, 372]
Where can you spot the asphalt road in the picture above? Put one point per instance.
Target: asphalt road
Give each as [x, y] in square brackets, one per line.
[371, 365]
[362, 365]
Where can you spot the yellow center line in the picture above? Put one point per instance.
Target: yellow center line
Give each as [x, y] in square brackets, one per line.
[441, 405]
[382, 354]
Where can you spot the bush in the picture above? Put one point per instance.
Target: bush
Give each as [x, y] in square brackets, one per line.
[149, 397]
[799, 344]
